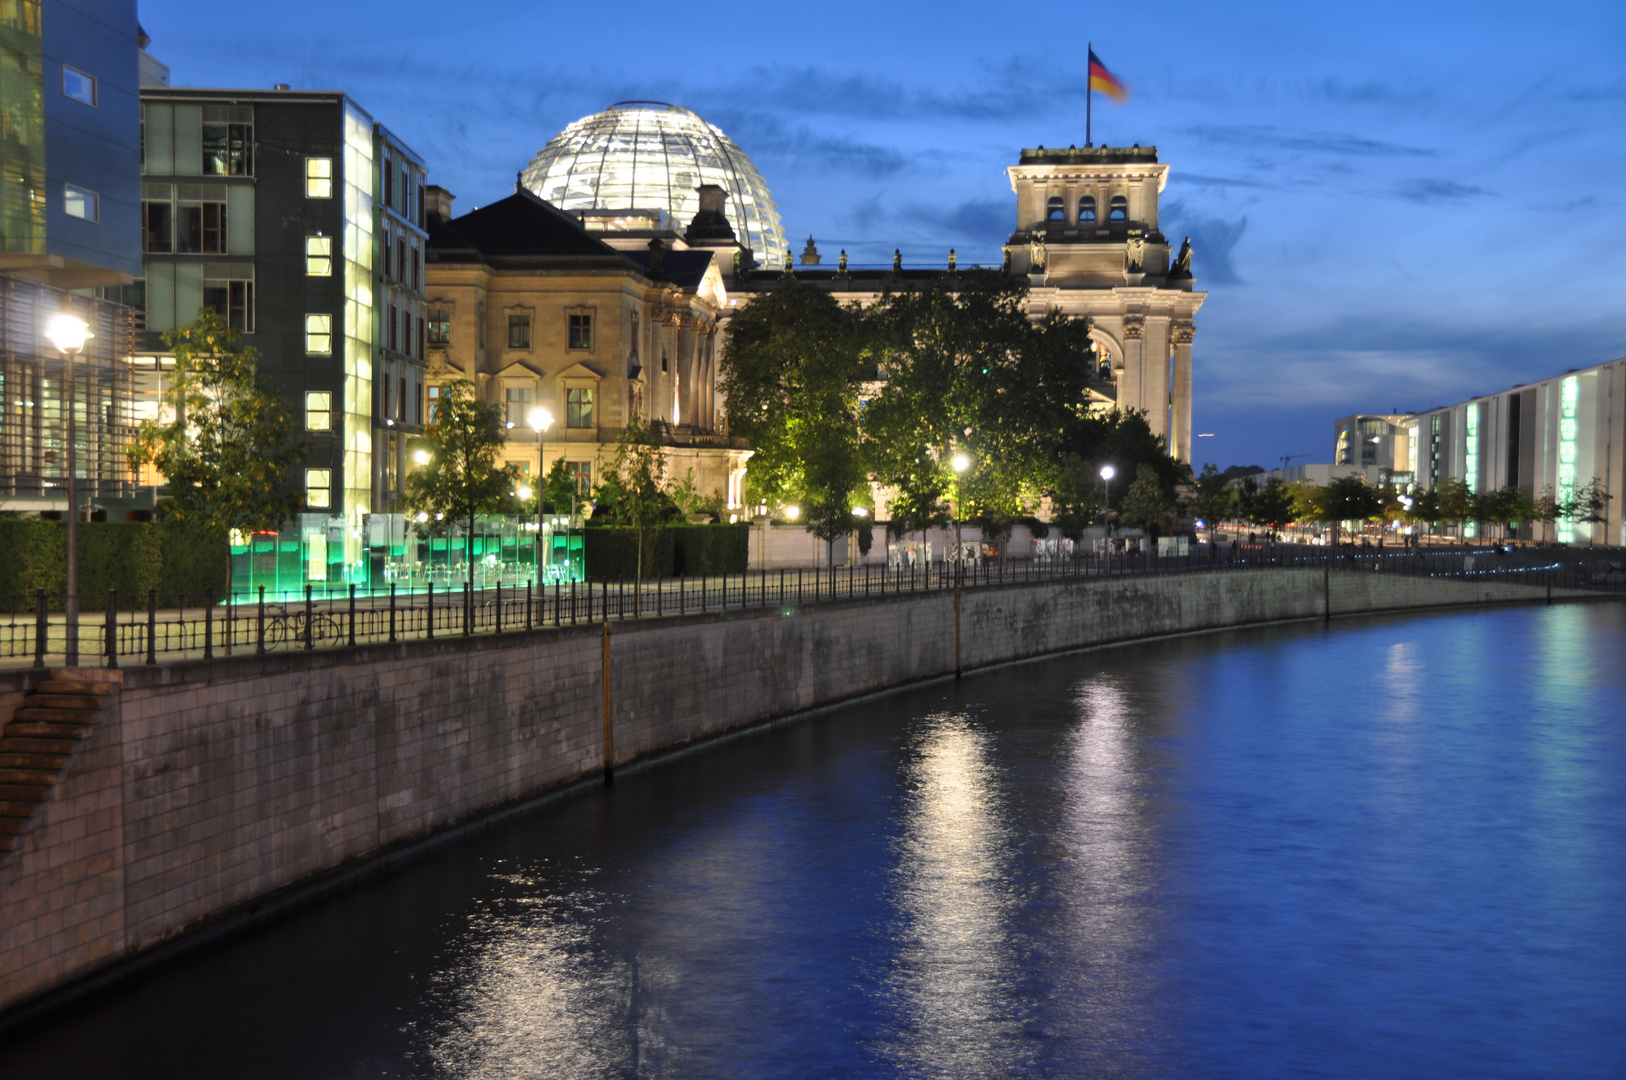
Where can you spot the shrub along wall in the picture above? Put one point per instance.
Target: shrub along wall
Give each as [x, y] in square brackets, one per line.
[131, 557]
[711, 549]
[678, 550]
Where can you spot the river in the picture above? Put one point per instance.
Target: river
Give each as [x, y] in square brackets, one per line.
[1386, 847]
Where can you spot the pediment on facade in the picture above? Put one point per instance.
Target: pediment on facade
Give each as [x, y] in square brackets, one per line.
[580, 371]
[518, 370]
[441, 365]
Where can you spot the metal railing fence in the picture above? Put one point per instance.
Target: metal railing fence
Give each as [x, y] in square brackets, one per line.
[205, 626]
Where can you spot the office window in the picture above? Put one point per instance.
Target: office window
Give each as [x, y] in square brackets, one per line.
[319, 488]
[400, 402]
[157, 227]
[318, 410]
[319, 335]
[79, 86]
[228, 148]
[417, 269]
[579, 408]
[434, 403]
[519, 405]
[401, 260]
[234, 300]
[581, 332]
[582, 473]
[440, 326]
[200, 228]
[388, 244]
[318, 178]
[519, 331]
[389, 183]
[318, 256]
[82, 204]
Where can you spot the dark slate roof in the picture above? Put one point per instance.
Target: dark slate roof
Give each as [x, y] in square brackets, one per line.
[520, 229]
[682, 268]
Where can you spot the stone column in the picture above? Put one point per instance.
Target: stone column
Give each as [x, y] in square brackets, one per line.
[1180, 445]
[1132, 380]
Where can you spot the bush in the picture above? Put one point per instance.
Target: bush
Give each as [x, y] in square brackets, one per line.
[194, 560]
[31, 558]
[124, 556]
[611, 554]
[131, 557]
[710, 549]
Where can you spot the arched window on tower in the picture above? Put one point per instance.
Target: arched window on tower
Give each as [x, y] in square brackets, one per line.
[1086, 209]
[1120, 209]
[1056, 210]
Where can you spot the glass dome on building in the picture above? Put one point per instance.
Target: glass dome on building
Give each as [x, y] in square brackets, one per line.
[646, 155]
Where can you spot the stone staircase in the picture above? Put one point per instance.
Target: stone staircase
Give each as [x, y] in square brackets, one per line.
[37, 744]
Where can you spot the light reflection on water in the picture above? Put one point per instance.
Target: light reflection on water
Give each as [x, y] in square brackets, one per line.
[1383, 848]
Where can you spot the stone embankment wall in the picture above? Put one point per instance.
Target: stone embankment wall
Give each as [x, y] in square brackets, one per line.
[205, 787]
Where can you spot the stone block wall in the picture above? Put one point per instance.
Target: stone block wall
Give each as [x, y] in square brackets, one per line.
[205, 786]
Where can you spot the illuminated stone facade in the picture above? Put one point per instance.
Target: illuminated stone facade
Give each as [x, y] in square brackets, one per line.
[539, 311]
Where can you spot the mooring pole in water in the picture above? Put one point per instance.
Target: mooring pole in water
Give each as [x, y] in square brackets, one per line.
[956, 621]
[609, 725]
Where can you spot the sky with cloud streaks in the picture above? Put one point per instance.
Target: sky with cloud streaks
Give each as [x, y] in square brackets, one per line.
[1393, 205]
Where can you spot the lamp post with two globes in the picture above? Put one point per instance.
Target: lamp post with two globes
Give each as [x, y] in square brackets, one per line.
[540, 420]
[961, 463]
[68, 334]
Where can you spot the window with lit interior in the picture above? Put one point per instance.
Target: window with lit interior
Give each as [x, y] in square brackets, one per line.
[318, 178]
[579, 408]
[318, 410]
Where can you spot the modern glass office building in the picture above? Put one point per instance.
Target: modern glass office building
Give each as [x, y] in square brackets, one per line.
[69, 230]
[1559, 436]
[646, 155]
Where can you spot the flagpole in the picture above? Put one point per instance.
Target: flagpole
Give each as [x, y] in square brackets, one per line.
[1089, 54]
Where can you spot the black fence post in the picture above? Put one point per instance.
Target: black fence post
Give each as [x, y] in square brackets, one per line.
[352, 637]
[530, 588]
[209, 623]
[110, 626]
[468, 607]
[259, 644]
[430, 622]
[41, 625]
[152, 626]
[310, 621]
[499, 605]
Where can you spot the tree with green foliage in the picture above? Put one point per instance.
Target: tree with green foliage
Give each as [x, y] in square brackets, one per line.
[1216, 498]
[1272, 505]
[1078, 496]
[636, 495]
[227, 453]
[1456, 502]
[1545, 509]
[793, 370]
[462, 478]
[966, 370]
[1508, 506]
[1145, 503]
[1347, 498]
[1589, 504]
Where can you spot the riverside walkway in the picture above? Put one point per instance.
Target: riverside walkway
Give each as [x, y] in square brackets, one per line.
[171, 628]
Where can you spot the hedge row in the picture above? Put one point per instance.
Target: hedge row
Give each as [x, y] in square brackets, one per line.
[129, 557]
[679, 550]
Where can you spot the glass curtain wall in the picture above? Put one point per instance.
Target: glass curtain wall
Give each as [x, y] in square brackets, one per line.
[648, 155]
[359, 327]
[312, 550]
[22, 128]
[33, 427]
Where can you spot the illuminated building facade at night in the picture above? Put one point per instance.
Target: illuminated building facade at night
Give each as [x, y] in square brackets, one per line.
[1557, 435]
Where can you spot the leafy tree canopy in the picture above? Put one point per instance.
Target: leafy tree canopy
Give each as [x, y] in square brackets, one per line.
[462, 478]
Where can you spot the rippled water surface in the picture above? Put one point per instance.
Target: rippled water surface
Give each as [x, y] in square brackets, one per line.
[1391, 848]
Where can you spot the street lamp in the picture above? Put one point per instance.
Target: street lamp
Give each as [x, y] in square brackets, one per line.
[540, 420]
[421, 456]
[961, 463]
[1107, 473]
[68, 334]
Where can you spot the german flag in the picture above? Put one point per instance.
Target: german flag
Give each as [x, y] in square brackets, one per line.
[1106, 82]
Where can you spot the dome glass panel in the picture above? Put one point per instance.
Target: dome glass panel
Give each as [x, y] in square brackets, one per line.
[645, 155]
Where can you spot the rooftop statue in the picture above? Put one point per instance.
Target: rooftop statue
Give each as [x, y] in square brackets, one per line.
[1182, 261]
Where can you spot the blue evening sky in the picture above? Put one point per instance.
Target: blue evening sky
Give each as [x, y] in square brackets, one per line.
[1392, 204]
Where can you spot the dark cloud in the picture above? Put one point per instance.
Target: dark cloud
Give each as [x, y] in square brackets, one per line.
[1427, 191]
[765, 137]
[1261, 137]
[1213, 241]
